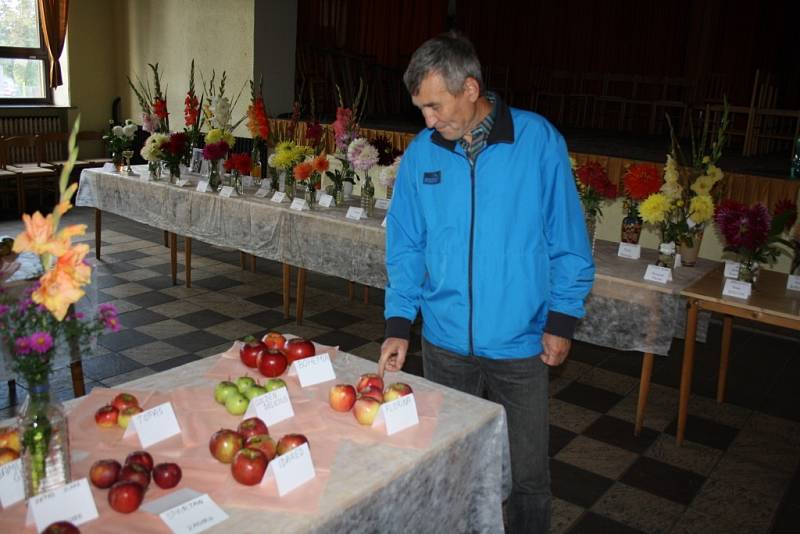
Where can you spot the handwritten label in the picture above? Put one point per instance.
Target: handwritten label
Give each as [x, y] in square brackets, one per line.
[196, 515]
[793, 282]
[661, 275]
[154, 425]
[12, 486]
[278, 197]
[73, 503]
[298, 204]
[383, 203]
[731, 269]
[736, 289]
[398, 414]
[272, 407]
[630, 251]
[355, 214]
[313, 370]
[325, 200]
[291, 470]
[202, 186]
[226, 192]
[262, 192]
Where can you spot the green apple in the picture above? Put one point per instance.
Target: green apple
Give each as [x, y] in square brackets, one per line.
[243, 383]
[224, 389]
[254, 392]
[274, 383]
[236, 403]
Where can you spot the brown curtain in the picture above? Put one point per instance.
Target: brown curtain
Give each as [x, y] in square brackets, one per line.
[54, 28]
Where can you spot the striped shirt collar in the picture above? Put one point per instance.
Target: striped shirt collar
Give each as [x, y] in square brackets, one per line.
[480, 134]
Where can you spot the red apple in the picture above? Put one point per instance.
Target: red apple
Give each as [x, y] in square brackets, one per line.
[224, 444]
[297, 349]
[61, 527]
[167, 475]
[395, 391]
[252, 426]
[106, 416]
[136, 473]
[366, 409]
[342, 397]
[272, 363]
[264, 443]
[274, 341]
[375, 393]
[125, 496]
[368, 380]
[289, 442]
[7, 454]
[124, 400]
[251, 350]
[248, 466]
[104, 473]
[9, 437]
[125, 415]
[142, 458]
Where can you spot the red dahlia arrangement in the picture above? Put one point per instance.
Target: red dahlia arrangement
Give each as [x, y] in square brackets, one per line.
[238, 163]
[640, 181]
[753, 233]
[594, 187]
[174, 151]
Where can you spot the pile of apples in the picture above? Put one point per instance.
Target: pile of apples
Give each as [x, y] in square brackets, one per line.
[274, 354]
[366, 397]
[129, 482]
[236, 395]
[10, 445]
[249, 449]
[119, 412]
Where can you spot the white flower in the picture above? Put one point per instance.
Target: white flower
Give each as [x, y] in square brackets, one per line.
[221, 108]
[151, 151]
[362, 155]
[673, 190]
[129, 130]
[117, 131]
[271, 160]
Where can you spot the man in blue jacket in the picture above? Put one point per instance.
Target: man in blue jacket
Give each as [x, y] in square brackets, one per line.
[486, 237]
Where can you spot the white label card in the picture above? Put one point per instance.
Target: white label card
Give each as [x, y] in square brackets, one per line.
[202, 186]
[793, 282]
[73, 503]
[298, 204]
[661, 275]
[313, 370]
[383, 203]
[154, 425]
[262, 192]
[678, 261]
[398, 414]
[325, 200]
[731, 269]
[247, 181]
[355, 214]
[291, 470]
[197, 515]
[12, 487]
[182, 182]
[736, 289]
[226, 192]
[272, 407]
[630, 251]
[278, 197]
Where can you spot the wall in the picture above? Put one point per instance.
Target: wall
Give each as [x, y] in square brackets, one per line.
[274, 52]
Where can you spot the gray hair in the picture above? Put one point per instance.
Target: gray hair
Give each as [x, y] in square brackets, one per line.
[451, 55]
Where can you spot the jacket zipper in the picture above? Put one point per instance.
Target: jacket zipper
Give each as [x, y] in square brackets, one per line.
[471, 249]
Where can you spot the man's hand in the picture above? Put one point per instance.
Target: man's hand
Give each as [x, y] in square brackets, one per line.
[393, 355]
[555, 349]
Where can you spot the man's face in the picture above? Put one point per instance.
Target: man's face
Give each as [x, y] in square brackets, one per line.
[451, 115]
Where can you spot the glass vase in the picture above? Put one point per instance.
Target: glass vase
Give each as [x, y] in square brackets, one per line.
[591, 229]
[154, 167]
[310, 196]
[289, 187]
[666, 255]
[174, 173]
[236, 182]
[368, 197]
[749, 270]
[689, 247]
[45, 439]
[214, 178]
[255, 163]
[389, 191]
[118, 160]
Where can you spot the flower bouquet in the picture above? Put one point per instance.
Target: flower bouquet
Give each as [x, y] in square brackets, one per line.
[219, 139]
[640, 181]
[155, 117]
[388, 176]
[258, 126]
[594, 188]
[174, 150]
[238, 165]
[310, 174]
[192, 117]
[345, 129]
[153, 153]
[119, 140]
[362, 156]
[286, 156]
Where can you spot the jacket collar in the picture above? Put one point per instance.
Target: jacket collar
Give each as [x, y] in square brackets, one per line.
[502, 131]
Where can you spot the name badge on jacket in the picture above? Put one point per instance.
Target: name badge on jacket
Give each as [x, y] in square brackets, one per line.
[430, 178]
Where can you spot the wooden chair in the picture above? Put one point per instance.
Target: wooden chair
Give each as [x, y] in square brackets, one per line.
[10, 183]
[23, 156]
[53, 148]
[619, 90]
[93, 139]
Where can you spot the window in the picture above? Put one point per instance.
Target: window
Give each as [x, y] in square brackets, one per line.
[24, 62]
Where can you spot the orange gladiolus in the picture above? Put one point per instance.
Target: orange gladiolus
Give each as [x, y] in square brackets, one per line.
[38, 236]
[72, 263]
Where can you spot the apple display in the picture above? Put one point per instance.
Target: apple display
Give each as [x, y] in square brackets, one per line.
[236, 404]
[248, 466]
[341, 397]
[251, 350]
[252, 426]
[289, 442]
[125, 496]
[272, 363]
[106, 416]
[7, 454]
[142, 458]
[124, 400]
[369, 380]
[125, 415]
[375, 393]
[395, 391]
[274, 383]
[297, 349]
[366, 410]
[223, 389]
[167, 475]
[224, 443]
[243, 383]
[264, 443]
[61, 527]
[274, 341]
[9, 437]
[137, 473]
[255, 391]
[104, 473]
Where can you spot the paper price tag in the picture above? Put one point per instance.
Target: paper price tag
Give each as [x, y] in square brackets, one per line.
[298, 204]
[262, 192]
[202, 186]
[182, 182]
[12, 486]
[793, 282]
[154, 425]
[398, 414]
[661, 275]
[109, 167]
[197, 515]
[313, 370]
[630, 251]
[355, 214]
[291, 470]
[325, 200]
[226, 192]
[736, 289]
[383, 203]
[731, 269]
[272, 407]
[247, 181]
[278, 197]
[73, 503]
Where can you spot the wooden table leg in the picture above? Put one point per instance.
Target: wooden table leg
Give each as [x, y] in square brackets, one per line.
[301, 294]
[166, 238]
[78, 387]
[351, 291]
[644, 391]
[252, 263]
[725, 349]
[12, 392]
[98, 223]
[366, 294]
[173, 256]
[287, 287]
[187, 260]
[242, 260]
[687, 369]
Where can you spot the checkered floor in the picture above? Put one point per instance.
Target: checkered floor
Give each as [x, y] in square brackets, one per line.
[738, 471]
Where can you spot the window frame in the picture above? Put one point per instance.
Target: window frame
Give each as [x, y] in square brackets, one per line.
[40, 53]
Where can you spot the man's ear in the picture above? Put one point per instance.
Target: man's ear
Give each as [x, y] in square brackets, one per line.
[472, 88]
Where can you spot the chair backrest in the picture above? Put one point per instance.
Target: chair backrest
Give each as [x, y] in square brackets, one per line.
[90, 143]
[54, 146]
[22, 149]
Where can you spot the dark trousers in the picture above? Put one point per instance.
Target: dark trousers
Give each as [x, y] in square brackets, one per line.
[521, 386]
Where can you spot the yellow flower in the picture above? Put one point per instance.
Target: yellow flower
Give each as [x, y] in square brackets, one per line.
[284, 159]
[715, 173]
[706, 160]
[701, 208]
[213, 136]
[671, 171]
[284, 146]
[673, 190]
[654, 209]
[229, 139]
[572, 163]
[703, 185]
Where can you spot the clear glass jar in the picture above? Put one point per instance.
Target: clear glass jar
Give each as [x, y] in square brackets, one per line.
[368, 197]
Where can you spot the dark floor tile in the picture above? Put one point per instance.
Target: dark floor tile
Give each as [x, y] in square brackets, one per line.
[141, 317]
[231, 256]
[195, 341]
[165, 268]
[626, 363]
[173, 362]
[334, 319]
[576, 485]
[705, 432]
[104, 297]
[620, 434]
[157, 282]
[109, 281]
[115, 268]
[343, 340]
[268, 300]
[592, 523]
[205, 318]
[108, 365]
[127, 255]
[267, 319]
[216, 283]
[559, 438]
[587, 353]
[149, 299]
[124, 339]
[664, 480]
[589, 397]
